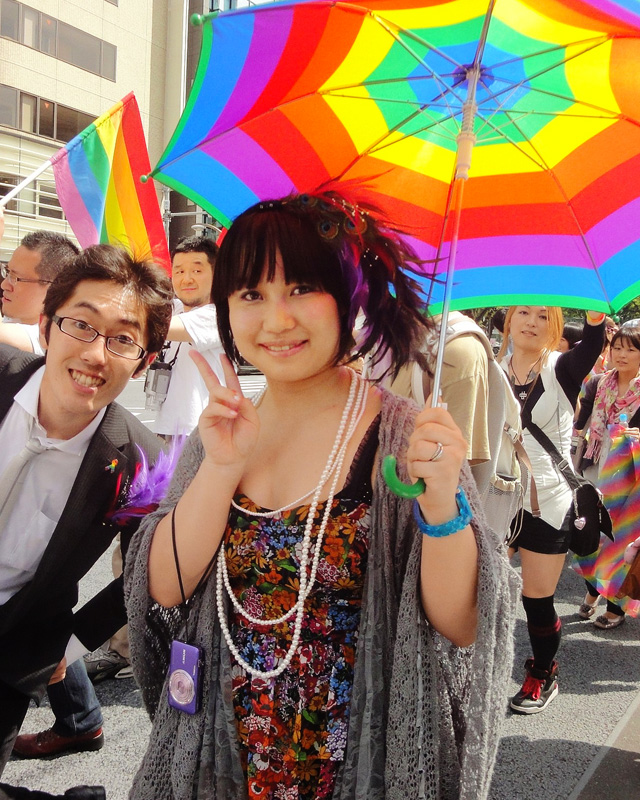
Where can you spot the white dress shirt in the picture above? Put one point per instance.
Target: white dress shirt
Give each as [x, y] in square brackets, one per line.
[44, 494]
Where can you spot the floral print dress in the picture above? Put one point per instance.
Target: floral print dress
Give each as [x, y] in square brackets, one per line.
[292, 729]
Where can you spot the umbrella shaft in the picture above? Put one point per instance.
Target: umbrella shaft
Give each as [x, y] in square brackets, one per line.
[456, 205]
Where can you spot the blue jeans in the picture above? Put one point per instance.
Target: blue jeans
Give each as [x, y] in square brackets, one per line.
[74, 703]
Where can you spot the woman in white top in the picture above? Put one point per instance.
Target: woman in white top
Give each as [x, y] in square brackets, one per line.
[547, 384]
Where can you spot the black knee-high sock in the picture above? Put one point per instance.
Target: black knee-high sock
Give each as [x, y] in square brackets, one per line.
[544, 629]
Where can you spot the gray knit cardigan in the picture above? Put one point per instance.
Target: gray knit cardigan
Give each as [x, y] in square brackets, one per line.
[425, 715]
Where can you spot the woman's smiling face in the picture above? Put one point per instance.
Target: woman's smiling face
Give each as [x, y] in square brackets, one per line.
[289, 331]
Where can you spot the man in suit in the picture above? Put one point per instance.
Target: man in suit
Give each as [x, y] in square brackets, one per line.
[105, 318]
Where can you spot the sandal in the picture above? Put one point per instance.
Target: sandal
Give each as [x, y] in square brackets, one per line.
[587, 610]
[605, 623]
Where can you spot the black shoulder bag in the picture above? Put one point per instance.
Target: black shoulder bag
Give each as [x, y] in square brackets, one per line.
[589, 516]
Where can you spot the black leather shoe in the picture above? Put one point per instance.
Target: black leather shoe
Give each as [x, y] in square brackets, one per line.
[86, 793]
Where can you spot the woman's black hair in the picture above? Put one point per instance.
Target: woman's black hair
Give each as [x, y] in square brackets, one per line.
[340, 246]
[572, 332]
[629, 331]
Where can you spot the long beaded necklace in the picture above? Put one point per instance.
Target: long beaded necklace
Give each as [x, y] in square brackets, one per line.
[334, 464]
[354, 412]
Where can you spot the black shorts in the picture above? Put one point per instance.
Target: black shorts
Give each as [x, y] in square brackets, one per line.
[538, 536]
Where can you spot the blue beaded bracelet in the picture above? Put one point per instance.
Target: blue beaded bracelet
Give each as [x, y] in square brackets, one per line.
[465, 515]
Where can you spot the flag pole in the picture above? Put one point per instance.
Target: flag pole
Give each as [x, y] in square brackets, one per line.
[30, 179]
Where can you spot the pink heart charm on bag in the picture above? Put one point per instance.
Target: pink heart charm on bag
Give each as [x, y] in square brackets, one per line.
[579, 523]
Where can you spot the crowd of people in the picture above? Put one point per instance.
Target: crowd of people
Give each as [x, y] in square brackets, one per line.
[297, 629]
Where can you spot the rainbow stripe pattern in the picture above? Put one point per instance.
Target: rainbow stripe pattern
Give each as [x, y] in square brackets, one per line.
[619, 482]
[290, 95]
[97, 178]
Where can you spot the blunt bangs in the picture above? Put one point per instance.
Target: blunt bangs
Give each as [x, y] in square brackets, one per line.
[254, 242]
[628, 332]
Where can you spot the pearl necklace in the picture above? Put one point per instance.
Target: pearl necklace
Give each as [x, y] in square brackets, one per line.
[334, 464]
[329, 468]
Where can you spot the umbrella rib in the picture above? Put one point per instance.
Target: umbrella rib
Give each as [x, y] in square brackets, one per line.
[527, 82]
[421, 108]
[380, 144]
[595, 41]
[393, 32]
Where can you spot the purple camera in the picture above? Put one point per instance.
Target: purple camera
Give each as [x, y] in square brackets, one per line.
[185, 689]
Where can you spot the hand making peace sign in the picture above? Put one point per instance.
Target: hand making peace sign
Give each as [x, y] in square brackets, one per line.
[229, 424]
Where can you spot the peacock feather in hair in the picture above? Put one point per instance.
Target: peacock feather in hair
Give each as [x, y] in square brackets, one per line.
[149, 484]
[362, 237]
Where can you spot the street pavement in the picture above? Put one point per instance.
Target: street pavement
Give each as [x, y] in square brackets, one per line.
[586, 746]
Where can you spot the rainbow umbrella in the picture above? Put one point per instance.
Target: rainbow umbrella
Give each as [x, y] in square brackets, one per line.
[503, 135]
[619, 482]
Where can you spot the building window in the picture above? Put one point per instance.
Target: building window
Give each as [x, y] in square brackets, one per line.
[7, 182]
[48, 203]
[30, 27]
[49, 36]
[108, 65]
[79, 48]
[47, 119]
[10, 20]
[58, 39]
[70, 122]
[28, 112]
[8, 106]
[38, 115]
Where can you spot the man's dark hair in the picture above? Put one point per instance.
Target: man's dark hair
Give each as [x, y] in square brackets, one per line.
[103, 262]
[197, 244]
[56, 251]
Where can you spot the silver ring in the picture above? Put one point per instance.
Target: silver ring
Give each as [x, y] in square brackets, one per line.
[438, 453]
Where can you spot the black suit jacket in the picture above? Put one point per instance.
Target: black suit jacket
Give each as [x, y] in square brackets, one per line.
[35, 624]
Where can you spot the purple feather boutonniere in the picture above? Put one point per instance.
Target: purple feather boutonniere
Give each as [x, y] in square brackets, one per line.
[149, 485]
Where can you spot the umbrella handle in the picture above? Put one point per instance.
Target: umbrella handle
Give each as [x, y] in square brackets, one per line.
[390, 475]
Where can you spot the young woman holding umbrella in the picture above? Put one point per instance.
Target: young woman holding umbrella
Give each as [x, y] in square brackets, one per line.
[547, 384]
[606, 397]
[335, 628]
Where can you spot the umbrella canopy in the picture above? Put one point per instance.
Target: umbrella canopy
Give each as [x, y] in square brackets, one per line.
[397, 93]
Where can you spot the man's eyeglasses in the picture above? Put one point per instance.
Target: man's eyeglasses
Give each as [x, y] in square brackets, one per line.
[7, 275]
[121, 346]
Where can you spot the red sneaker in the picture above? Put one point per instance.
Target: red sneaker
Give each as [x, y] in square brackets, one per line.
[539, 688]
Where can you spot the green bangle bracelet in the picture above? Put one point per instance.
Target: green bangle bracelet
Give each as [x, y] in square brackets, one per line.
[465, 515]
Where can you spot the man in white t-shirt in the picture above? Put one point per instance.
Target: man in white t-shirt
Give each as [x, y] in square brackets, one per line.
[193, 262]
[34, 264]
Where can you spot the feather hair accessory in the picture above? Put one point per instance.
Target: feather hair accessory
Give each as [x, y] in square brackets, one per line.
[149, 484]
[376, 260]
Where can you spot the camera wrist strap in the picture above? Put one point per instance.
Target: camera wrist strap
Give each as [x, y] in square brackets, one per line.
[185, 608]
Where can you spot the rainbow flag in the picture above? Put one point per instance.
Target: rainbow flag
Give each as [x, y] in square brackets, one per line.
[619, 482]
[98, 183]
